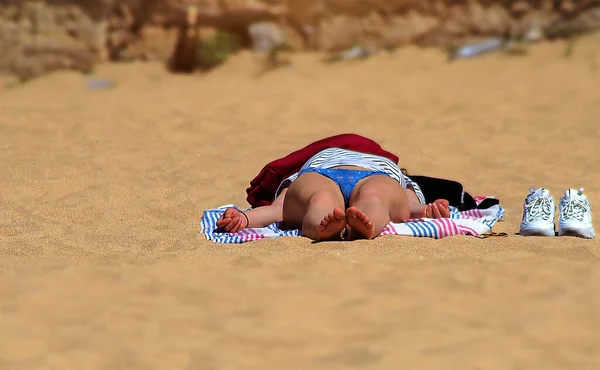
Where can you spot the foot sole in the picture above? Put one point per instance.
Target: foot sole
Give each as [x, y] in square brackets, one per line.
[335, 223]
[358, 223]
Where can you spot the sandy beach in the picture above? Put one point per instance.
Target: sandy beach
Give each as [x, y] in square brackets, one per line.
[102, 265]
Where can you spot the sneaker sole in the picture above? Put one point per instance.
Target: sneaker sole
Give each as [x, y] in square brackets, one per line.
[586, 232]
[536, 232]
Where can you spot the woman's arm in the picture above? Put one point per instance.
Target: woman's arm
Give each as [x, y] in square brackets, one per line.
[233, 220]
[437, 209]
[266, 215]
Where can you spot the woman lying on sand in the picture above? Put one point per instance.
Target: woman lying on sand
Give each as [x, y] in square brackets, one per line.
[339, 193]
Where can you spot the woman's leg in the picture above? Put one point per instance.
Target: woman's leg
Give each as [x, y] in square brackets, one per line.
[314, 204]
[375, 201]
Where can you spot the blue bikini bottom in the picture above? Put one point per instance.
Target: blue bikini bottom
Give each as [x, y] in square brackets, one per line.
[346, 179]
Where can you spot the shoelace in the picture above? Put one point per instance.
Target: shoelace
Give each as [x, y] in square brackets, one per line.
[539, 208]
[574, 209]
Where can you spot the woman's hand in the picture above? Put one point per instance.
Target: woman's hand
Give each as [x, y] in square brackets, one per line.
[437, 209]
[232, 221]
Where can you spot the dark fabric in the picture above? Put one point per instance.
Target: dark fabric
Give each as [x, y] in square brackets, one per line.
[487, 203]
[262, 188]
[436, 188]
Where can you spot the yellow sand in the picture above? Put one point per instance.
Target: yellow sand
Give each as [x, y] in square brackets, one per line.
[102, 265]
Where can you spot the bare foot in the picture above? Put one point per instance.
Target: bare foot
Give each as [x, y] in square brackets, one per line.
[360, 227]
[332, 225]
[232, 221]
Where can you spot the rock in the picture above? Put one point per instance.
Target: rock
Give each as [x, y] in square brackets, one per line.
[357, 52]
[535, 32]
[575, 25]
[70, 33]
[479, 48]
[36, 37]
[100, 84]
[265, 36]
[339, 32]
[567, 7]
[519, 8]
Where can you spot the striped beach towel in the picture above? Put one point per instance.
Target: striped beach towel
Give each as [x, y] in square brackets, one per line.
[472, 222]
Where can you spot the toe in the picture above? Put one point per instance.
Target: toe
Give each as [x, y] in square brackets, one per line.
[338, 214]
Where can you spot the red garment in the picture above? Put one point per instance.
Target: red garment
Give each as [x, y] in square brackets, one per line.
[263, 187]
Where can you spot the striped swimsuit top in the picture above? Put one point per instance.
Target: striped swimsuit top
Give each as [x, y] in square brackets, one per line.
[334, 157]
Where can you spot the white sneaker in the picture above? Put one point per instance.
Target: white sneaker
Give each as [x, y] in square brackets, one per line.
[575, 217]
[538, 214]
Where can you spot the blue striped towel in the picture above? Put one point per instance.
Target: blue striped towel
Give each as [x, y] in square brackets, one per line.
[473, 222]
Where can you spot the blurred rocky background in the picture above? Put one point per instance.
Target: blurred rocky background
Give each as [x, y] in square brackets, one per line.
[41, 36]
